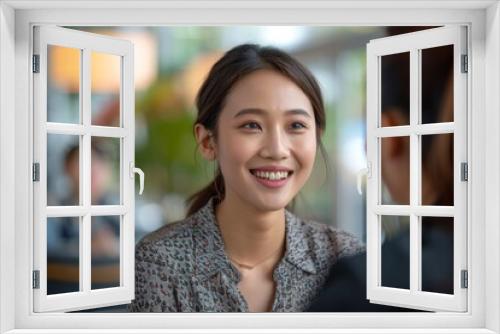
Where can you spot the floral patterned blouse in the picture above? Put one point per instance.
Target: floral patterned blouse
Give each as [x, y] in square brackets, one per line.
[182, 267]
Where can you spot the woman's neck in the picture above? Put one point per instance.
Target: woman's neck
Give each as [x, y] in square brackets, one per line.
[250, 235]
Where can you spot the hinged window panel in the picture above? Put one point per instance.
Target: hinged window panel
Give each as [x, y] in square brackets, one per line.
[400, 73]
[73, 139]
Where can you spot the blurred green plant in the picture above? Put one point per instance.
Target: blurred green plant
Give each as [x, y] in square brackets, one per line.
[168, 156]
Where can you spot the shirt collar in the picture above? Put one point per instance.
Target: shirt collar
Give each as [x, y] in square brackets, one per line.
[297, 244]
[209, 245]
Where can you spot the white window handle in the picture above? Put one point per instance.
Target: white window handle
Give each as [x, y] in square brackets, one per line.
[139, 171]
[363, 171]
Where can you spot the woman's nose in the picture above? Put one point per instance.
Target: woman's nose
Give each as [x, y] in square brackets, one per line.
[275, 146]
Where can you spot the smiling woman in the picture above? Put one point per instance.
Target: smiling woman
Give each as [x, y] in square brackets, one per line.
[260, 117]
[277, 140]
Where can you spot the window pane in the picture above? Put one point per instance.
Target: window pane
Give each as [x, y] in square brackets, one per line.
[106, 81]
[395, 170]
[437, 169]
[63, 170]
[395, 94]
[63, 249]
[437, 254]
[105, 250]
[63, 84]
[105, 171]
[395, 251]
[437, 84]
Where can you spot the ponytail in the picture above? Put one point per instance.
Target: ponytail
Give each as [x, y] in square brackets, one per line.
[201, 198]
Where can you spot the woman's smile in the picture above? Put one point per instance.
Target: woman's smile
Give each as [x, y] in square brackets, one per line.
[272, 177]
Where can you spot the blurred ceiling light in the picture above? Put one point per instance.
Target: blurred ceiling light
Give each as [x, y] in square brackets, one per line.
[283, 36]
[195, 73]
[63, 67]
[106, 67]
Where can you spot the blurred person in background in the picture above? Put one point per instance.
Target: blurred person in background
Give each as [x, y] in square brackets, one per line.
[63, 236]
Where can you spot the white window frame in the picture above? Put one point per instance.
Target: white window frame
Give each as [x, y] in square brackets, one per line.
[414, 43]
[483, 18]
[86, 43]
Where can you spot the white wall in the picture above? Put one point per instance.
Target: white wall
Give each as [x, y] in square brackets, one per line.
[492, 169]
[7, 164]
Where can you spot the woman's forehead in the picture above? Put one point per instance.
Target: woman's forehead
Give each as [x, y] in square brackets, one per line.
[261, 79]
[268, 91]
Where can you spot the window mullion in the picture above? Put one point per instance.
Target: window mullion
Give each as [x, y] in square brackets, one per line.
[109, 132]
[85, 168]
[420, 210]
[65, 211]
[64, 128]
[415, 250]
[420, 129]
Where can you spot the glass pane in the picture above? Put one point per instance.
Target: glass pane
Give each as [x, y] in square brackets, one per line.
[105, 171]
[106, 81]
[395, 170]
[395, 94]
[395, 252]
[63, 84]
[63, 249]
[63, 170]
[437, 254]
[105, 250]
[437, 169]
[437, 84]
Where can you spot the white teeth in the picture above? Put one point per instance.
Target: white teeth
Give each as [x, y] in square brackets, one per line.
[271, 175]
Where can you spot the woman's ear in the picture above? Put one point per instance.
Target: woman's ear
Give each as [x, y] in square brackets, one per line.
[206, 142]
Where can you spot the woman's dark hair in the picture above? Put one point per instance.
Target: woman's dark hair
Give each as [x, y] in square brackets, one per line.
[233, 66]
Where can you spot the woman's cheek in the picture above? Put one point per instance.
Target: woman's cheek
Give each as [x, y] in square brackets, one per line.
[306, 149]
[236, 150]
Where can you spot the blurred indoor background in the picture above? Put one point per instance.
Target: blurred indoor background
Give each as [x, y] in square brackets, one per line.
[170, 65]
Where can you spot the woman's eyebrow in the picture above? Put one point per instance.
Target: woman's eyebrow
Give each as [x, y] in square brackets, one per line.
[257, 111]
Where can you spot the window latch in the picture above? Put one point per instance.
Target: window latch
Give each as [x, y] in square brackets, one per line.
[133, 171]
[364, 171]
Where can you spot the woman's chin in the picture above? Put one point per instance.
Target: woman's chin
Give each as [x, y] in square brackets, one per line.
[272, 203]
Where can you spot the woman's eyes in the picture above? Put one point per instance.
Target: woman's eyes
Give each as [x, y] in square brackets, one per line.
[245, 126]
[254, 125]
[302, 126]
